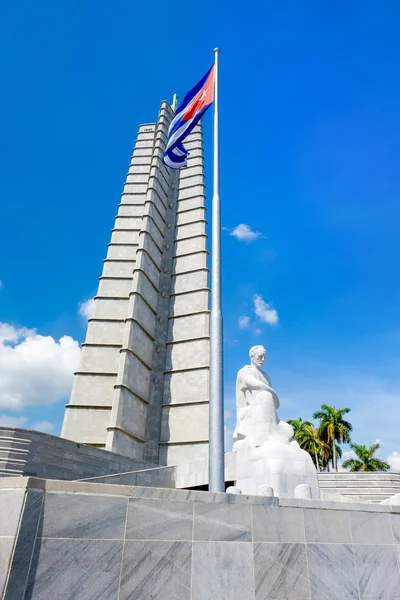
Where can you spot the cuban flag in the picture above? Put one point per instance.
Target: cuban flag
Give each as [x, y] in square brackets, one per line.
[187, 115]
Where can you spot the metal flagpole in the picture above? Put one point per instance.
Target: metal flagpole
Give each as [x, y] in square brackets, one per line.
[216, 457]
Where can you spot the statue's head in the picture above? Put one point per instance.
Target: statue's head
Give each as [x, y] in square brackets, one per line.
[258, 354]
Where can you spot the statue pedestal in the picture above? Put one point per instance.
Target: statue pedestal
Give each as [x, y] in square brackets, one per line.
[283, 466]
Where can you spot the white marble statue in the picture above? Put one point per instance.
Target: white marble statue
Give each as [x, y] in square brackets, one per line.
[267, 454]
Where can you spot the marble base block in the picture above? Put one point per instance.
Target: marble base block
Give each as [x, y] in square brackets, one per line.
[279, 465]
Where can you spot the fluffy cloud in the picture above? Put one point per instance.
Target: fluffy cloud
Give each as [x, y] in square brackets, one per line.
[10, 334]
[265, 311]
[86, 309]
[244, 322]
[394, 461]
[244, 233]
[11, 421]
[348, 454]
[34, 369]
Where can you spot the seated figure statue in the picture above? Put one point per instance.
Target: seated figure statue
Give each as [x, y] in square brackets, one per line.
[266, 452]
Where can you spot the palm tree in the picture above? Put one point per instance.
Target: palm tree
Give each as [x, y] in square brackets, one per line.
[309, 441]
[306, 435]
[297, 424]
[366, 460]
[333, 428]
[327, 454]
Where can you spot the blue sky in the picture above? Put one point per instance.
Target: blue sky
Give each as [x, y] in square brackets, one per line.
[310, 147]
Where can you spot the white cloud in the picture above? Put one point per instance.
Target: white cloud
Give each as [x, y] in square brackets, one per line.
[244, 322]
[265, 311]
[346, 455]
[11, 421]
[394, 461]
[244, 233]
[44, 426]
[10, 333]
[1, 284]
[86, 309]
[34, 369]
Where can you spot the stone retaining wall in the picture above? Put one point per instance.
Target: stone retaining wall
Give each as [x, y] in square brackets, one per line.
[24, 452]
[101, 542]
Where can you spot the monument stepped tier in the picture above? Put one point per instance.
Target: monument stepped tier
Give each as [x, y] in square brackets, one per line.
[141, 389]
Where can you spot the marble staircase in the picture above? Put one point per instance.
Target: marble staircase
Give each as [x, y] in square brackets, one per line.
[365, 487]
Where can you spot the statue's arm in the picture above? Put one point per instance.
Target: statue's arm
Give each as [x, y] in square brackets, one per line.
[249, 381]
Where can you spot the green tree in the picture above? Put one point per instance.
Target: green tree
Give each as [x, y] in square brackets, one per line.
[297, 425]
[306, 435]
[366, 460]
[333, 428]
[327, 454]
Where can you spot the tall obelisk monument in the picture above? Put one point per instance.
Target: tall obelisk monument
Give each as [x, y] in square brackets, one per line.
[142, 386]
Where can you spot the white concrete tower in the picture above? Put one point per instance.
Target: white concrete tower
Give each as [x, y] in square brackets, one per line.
[142, 385]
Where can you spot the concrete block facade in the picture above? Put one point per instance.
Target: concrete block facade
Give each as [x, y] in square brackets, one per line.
[103, 542]
[141, 389]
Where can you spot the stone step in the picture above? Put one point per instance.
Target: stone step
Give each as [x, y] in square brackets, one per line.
[15, 440]
[375, 498]
[390, 491]
[361, 484]
[15, 450]
[10, 472]
[357, 476]
[377, 495]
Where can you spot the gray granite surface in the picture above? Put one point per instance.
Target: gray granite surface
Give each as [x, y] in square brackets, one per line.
[327, 526]
[83, 516]
[280, 572]
[395, 522]
[332, 572]
[229, 522]
[24, 545]
[378, 571]
[277, 524]
[10, 510]
[159, 520]
[156, 570]
[6, 545]
[71, 569]
[371, 528]
[95, 542]
[222, 570]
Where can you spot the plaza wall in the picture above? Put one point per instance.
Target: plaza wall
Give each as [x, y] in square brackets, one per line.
[100, 542]
[24, 452]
